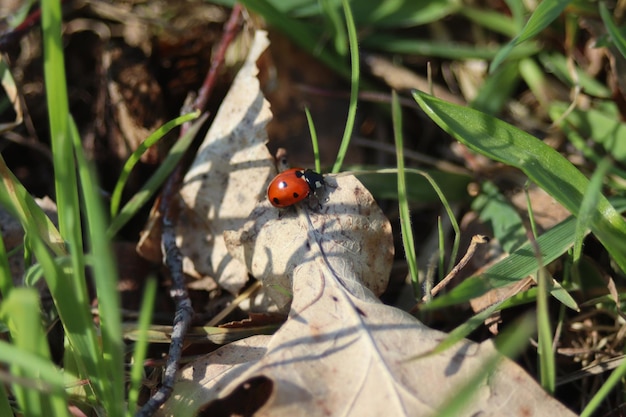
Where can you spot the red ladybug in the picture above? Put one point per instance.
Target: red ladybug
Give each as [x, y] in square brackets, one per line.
[293, 185]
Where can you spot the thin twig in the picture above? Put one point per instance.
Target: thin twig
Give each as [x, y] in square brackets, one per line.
[476, 240]
[230, 31]
[171, 252]
[184, 311]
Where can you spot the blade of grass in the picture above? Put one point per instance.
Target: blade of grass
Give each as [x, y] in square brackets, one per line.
[542, 164]
[111, 363]
[447, 49]
[545, 13]
[590, 200]
[444, 201]
[5, 404]
[602, 126]
[547, 368]
[17, 201]
[74, 312]
[556, 64]
[69, 291]
[354, 87]
[49, 378]
[10, 96]
[62, 155]
[619, 40]
[314, 142]
[442, 249]
[141, 346]
[20, 310]
[385, 185]
[157, 135]
[408, 240]
[336, 23]
[6, 279]
[490, 19]
[156, 180]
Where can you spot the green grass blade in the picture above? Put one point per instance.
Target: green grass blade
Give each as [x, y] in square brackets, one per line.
[405, 217]
[141, 346]
[335, 21]
[545, 13]
[542, 164]
[58, 112]
[556, 64]
[20, 310]
[17, 201]
[111, 365]
[447, 49]
[354, 88]
[157, 179]
[587, 207]
[547, 367]
[495, 209]
[599, 125]
[619, 40]
[5, 404]
[491, 19]
[157, 135]
[6, 279]
[384, 185]
[69, 290]
[411, 172]
[314, 141]
[497, 89]
[49, 379]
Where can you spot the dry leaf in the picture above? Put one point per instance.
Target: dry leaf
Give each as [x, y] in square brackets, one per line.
[342, 352]
[228, 178]
[354, 234]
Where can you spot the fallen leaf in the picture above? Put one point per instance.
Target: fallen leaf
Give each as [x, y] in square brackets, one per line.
[354, 234]
[228, 178]
[342, 352]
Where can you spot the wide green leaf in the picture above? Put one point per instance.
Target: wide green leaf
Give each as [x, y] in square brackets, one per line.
[543, 165]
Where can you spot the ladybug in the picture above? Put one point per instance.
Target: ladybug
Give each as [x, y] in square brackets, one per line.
[293, 185]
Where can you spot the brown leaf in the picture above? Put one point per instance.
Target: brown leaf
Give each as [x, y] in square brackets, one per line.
[353, 232]
[228, 178]
[341, 354]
